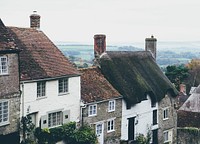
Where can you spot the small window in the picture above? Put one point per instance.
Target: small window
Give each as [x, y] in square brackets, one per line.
[166, 136]
[154, 117]
[63, 85]
[3, 65]
[41, 89]
[92, 111]
[110, 125]
[55, 119]
[4, 112]
[111, 106]
[165, 113]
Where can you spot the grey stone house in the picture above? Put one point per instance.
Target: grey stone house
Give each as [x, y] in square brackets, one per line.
[9, 88]
[101, 106]
[149, 96]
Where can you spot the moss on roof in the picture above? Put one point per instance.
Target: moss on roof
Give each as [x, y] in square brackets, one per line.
[135, 74]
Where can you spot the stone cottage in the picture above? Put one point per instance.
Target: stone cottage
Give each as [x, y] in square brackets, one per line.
[101, 106]
[9, 88]
[148, 95]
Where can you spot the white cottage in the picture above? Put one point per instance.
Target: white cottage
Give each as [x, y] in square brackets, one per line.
[148, 95]
[50, 85]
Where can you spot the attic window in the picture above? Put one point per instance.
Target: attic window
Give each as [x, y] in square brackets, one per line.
[3, 65]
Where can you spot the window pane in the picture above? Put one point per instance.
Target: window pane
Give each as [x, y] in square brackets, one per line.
[55, 119]
[3, 65]
[63, 85]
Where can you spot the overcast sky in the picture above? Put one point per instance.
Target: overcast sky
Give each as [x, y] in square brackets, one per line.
[121, 20]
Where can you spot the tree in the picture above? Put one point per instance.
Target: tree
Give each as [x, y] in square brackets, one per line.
[177, 74]
[194, 70]
[27, 127]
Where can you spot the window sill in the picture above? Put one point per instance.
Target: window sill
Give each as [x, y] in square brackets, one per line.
[110, 131]
[165, 119]
[4, 123]
[111, 110]
[61, 94]
[4, 74]
[92, 115]
[42, 97]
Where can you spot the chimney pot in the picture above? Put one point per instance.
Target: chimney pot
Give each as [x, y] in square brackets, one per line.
[35, 20]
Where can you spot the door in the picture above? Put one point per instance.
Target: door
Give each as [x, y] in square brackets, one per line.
[155, 136]
[99, 132]
[131, 128]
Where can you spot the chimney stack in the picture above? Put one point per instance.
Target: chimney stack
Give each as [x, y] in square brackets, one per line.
[35, 20]
[150, 45]
[182, 88]
[99, 45]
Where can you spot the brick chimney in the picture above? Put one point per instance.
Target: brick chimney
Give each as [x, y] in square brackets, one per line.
[99, 45]
[35, 20]
[182, 88]
[150, 45]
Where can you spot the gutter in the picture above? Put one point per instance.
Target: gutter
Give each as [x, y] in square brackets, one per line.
[49, 79]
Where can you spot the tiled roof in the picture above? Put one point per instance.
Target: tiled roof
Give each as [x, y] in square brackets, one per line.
[95, 87]
[6, 40]
[40, 58]
[135, 74]
[192, 104]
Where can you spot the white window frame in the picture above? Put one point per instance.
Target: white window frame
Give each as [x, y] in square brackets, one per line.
[110, 125]
[166, 113]
[166, 136]
[111, 106]
[3, 65]
[63, 86]
[55, 119]
[41, 89]
[92, 110]
[4, 112]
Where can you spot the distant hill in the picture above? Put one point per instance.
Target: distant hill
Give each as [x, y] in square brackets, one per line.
[168, 53]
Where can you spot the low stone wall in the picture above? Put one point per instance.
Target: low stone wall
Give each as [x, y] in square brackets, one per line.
[188, 135]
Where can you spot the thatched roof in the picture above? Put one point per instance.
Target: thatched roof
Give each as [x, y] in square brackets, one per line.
[134, 75]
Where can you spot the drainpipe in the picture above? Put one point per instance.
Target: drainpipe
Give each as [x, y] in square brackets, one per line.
[83, 106]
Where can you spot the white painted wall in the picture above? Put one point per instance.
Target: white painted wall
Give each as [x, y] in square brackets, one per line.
[144, 118]
[52, 101]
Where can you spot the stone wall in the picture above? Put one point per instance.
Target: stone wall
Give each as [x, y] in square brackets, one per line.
[102, 116]
[9, 84]
[171, 122]
[9, 90]
[188, 136]
[14, 116]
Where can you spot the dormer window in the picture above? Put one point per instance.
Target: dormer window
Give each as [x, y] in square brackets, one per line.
[3, 65]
